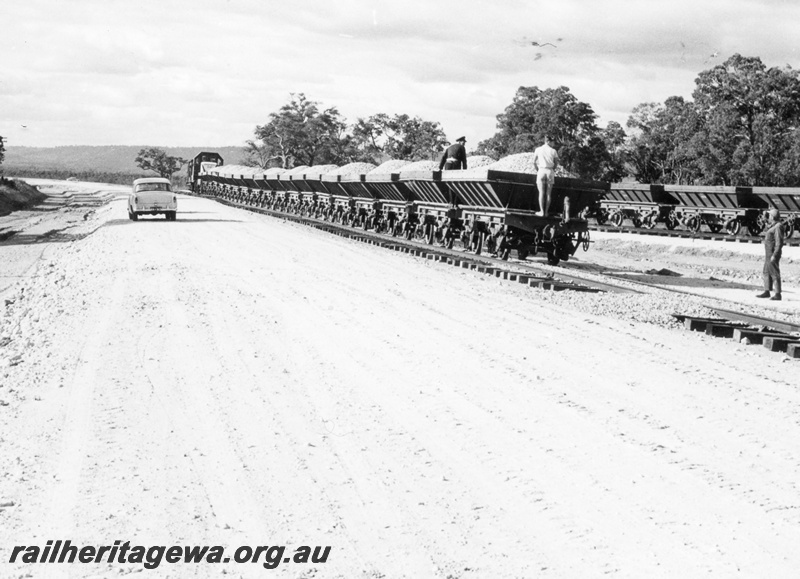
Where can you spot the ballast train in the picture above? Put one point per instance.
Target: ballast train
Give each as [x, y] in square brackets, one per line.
[732, 210]
[486, 208]
[491, 207]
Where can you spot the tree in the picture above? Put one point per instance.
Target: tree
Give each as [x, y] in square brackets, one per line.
[535, 113]
[256, 155]
[662, 148]
[751, 117]
[300, 134]
[155, 159]
[2, 151]
[382, 137]
[614, 140]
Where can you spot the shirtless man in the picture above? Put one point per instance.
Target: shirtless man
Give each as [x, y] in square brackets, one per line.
[545, 161]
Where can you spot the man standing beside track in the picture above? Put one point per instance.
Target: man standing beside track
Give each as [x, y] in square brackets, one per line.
[455, 157]
[545, 161]
[773, 243]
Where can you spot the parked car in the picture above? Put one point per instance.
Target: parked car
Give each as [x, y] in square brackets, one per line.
[151, 196]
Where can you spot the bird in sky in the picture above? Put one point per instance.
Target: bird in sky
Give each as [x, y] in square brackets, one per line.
[524, 41]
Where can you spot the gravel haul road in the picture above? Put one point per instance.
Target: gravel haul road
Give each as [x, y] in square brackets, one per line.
[234, 379]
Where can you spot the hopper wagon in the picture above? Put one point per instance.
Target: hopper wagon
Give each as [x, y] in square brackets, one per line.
[393, 201]
[500, 209]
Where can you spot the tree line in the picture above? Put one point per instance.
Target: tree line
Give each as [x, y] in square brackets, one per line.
[741, 128]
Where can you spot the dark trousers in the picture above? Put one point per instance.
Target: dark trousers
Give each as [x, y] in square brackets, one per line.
[772, 274]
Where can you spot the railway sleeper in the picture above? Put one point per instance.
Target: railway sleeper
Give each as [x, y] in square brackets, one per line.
[781, 344]
[743, 333]
[755, 336]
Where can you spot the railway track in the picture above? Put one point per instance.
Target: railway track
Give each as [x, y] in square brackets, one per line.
[683, 234]
[519, 272]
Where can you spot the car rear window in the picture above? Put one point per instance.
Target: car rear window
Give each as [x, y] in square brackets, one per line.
[153, 187]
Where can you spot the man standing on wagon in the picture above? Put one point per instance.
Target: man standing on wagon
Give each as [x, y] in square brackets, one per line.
[455, 157]
[773, 243]
[545, 161]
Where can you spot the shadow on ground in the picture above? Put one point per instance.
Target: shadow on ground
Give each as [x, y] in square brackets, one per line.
[142, 220]
[12, 237]
[683, 281]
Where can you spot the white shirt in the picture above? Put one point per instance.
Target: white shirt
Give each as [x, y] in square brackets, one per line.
[545, 157]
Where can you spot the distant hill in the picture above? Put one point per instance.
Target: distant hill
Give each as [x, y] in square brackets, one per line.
[106, 161]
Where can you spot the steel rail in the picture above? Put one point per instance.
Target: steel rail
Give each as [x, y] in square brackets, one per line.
[683, 234]
[754, 320]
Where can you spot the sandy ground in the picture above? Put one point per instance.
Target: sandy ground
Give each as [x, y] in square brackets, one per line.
[726, 271]
[233, 379]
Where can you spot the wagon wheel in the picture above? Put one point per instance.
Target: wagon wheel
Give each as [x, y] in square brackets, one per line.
[649, 221]
[479, 240]
[430, 234]
[584, 240]
[755, 228]
[552, 258]
[715, 227]
[788, 229]
[637, 221]
[617, 218]
[693, 223]
[672, 221]
[601, 217]
[491, 244]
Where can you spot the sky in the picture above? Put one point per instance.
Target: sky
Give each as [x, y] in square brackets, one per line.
[207, 72]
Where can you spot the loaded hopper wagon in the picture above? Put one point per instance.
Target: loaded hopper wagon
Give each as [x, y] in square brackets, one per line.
[489, 207]
[503, 204]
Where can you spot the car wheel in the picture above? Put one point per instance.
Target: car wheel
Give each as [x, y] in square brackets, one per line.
[134, 217]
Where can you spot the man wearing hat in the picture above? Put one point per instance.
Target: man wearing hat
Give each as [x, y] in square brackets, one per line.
[455, 157]
[773, 243]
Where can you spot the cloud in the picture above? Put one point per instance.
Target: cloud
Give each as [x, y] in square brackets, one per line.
[168, 71]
